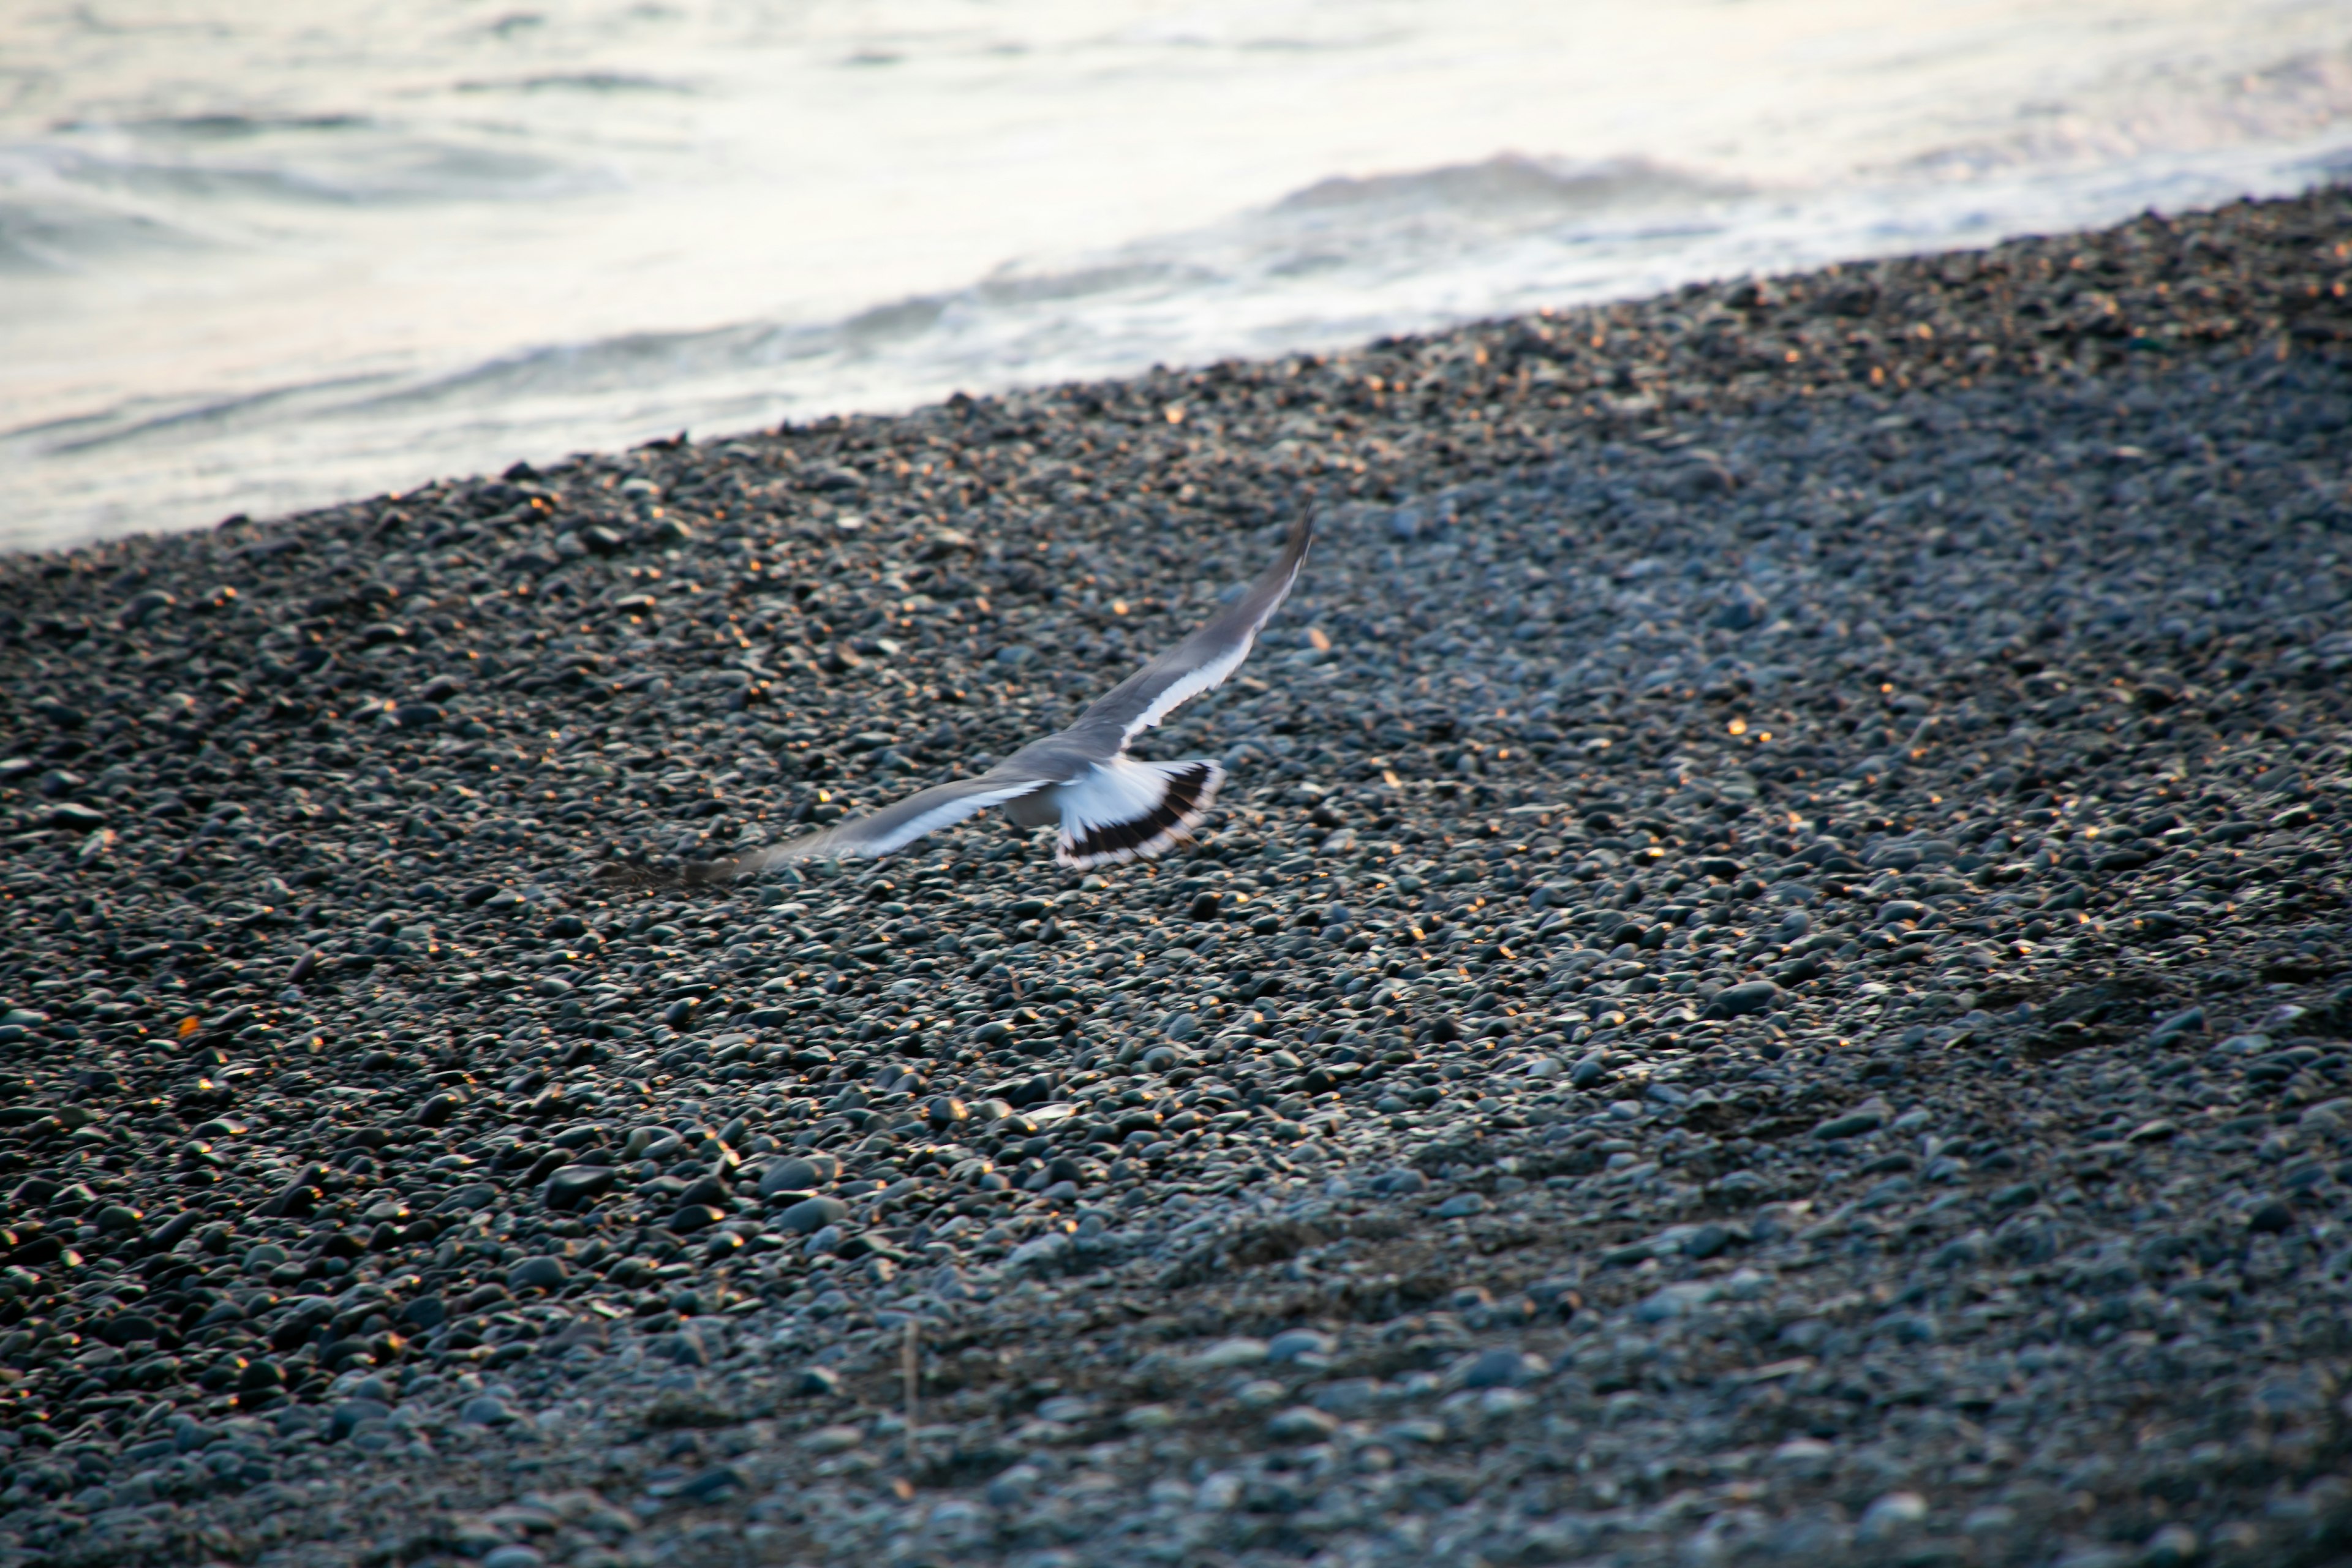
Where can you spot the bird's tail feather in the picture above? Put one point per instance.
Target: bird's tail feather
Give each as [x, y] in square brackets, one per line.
[1128, 810]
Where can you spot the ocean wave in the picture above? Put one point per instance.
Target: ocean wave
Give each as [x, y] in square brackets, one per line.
[2290, 99]
[1509, 185]
[578, 81]
[390, 171]
[54, 232]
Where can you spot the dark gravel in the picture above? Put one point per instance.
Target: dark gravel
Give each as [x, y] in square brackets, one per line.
[1769, 985]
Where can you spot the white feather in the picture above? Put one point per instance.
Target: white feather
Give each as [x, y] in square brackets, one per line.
[1193, 682]
[851, 839]
[1123, 792]
[849, 842]
[1117, 791]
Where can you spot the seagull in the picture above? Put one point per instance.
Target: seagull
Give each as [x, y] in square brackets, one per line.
[1110, 806]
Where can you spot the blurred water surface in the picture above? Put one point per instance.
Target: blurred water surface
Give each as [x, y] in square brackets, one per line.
[255, 256]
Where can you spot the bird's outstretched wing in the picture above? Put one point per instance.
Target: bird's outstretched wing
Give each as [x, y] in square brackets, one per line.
[1200, 662]
[879, 833]
[1105, 820]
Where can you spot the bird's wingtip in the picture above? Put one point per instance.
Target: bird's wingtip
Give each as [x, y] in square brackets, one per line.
[620, 875]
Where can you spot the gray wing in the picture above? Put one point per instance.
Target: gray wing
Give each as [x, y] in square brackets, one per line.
[1201, 661]
[883, 832]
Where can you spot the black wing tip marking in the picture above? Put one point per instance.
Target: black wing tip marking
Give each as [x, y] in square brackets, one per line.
[1189, 796]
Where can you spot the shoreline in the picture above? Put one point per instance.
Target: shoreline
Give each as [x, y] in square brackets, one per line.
[1771, 979]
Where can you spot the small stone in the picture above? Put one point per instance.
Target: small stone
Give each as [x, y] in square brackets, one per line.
[438, 1107]
[1040, 1253]
[1261, 1394]
[1232, 1353]
[1852, 1125]
[2329, 1118]
[2016, 1196]
[1297, 1343]
[1742, 1001]
[576, 1187]
[1500, 1368]
[486, 1410]
[354, 1414]
[810, 1216]
[140, 608]
[1892, 1514]
[514, 1554]
[833, 1439]
[537, 1274]
[1804, 1457]
[798, 1176]
[821, 1381]
[710, 1486]
[1588, 1071]
[1459, 1207]
[1301, 1424]
[2271, 1218]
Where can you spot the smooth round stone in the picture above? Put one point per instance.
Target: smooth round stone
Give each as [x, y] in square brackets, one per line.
[1301, 1424]
[1261, 1394]
[812, 1214]
[515, 1554]
[1498, 1368]
[574, 1186]
[1232, 1353]
[1297, 1343]
[537, 1274]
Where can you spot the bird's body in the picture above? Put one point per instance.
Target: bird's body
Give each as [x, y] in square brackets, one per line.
[1110, 806]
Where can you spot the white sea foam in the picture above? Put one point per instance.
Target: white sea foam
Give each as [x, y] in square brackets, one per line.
[254, 257]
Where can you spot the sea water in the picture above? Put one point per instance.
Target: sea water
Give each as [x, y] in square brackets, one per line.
[255, 257]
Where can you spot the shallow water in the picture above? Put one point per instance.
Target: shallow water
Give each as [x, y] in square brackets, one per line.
[254, 257]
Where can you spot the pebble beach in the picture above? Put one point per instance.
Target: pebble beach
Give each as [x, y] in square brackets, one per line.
[1769, 984]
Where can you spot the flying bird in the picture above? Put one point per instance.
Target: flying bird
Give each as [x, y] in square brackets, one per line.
[1110, 806]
